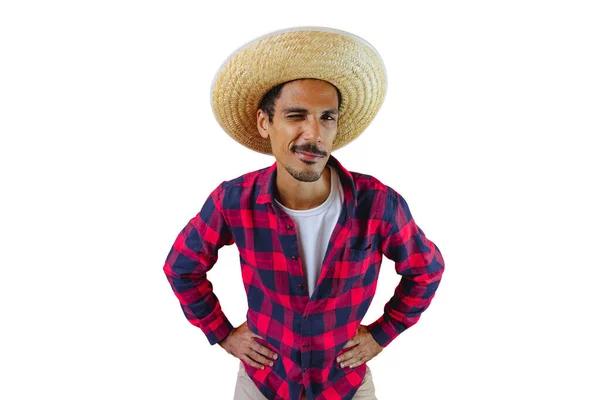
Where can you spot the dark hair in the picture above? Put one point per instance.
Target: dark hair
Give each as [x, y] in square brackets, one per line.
[267, 104]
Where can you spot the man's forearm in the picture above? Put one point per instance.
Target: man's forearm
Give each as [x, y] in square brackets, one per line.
[193, 254]
[200, 305]
[412, 297]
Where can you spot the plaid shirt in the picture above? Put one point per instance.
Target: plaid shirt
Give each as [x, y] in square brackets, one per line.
[307, 333]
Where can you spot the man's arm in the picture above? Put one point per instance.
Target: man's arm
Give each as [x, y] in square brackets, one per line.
[192, 255]
[421, 265]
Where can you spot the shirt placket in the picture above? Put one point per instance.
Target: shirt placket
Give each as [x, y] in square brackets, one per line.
[287, 226]
[305, 352]
[291, 250]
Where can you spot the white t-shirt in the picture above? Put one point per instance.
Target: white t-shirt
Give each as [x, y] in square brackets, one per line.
[314, 228]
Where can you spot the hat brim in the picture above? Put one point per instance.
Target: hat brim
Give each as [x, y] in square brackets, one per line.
[346, 61]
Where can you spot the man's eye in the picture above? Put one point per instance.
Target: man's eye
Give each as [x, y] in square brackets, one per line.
[328, 118]
[295, 116]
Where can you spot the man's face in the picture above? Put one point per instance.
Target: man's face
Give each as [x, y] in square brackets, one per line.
[304, 127]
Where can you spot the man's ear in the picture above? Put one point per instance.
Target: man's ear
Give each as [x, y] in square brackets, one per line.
[262, 123]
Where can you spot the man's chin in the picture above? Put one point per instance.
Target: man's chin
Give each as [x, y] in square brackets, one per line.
[306, 174]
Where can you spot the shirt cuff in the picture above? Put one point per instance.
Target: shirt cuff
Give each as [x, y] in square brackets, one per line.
[218, 329]
[383, 331]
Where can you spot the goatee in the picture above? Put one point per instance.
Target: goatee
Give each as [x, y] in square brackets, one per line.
[308, 176]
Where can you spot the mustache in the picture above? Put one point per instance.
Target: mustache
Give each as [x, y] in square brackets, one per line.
[309, 148]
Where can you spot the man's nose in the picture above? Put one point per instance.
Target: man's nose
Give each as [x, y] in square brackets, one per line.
[312, 129]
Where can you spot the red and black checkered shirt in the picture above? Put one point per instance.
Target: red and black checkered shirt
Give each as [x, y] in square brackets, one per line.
[307, 333]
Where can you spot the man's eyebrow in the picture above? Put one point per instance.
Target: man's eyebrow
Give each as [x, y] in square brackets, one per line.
[294, 110]
[301, 110]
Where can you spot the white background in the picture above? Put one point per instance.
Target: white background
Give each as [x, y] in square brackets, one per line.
[109, 147]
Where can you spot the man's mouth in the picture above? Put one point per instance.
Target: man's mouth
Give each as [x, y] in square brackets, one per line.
[308, 156]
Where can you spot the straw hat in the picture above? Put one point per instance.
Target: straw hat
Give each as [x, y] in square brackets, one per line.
[340, 58]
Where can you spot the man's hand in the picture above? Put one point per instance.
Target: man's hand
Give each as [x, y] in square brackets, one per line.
[241, 344]
[364, 349]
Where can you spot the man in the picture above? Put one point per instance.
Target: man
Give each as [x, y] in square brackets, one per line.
[311, 235]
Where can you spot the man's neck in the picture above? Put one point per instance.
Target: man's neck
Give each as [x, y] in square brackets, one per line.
[298, 195]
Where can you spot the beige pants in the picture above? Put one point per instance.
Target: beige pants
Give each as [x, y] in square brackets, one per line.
[245, 389]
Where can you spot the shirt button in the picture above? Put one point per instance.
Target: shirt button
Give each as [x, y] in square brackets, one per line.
[301, 286]
[305, 345]
[305, 316]
[294, 258]
[289, 227]
[304, 370]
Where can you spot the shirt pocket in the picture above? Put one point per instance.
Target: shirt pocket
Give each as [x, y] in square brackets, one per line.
[354, 262]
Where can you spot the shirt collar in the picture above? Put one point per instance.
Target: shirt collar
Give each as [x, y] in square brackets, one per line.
[266, 182]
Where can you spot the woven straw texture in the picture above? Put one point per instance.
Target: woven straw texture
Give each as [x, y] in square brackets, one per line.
[344, 60]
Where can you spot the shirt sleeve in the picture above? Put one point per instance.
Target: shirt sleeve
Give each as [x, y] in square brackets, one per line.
[421, 265]
[193, 254]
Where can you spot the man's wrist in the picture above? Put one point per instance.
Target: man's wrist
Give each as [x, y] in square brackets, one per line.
[222, 342]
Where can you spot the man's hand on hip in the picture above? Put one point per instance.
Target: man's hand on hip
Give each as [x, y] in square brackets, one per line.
[241, 344]
[364, 348]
